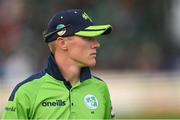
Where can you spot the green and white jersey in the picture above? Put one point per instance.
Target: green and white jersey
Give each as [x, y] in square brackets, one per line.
[47, 95]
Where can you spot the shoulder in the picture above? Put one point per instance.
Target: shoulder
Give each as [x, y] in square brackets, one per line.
[97, 78]
[102, 85]
[100, 82]
[28, 85]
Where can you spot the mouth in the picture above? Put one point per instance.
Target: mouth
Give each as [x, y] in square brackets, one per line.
[93, 54]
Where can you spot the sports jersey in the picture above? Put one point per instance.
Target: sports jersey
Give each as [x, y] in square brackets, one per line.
[47, 95]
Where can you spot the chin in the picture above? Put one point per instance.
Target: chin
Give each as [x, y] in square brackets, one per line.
[92, 64]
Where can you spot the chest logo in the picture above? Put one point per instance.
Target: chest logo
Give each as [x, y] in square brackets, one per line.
[91, 101]
[53, 103]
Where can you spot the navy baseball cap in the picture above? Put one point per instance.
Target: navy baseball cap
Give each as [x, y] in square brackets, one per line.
[73, 22]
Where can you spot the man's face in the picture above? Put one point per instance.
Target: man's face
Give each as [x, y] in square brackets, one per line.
[82, 50]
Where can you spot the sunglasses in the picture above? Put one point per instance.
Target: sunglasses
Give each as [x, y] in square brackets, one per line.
[48, 35]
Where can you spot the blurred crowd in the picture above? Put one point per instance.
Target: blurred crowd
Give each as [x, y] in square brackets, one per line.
[145, 34]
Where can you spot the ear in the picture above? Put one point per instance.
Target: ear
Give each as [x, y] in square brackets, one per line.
[61, 42]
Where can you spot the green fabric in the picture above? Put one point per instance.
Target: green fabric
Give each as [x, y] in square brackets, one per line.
[94, 31]
[98, 27]
[48, 98]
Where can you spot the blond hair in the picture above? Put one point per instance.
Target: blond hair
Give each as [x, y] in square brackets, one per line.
[52, 46]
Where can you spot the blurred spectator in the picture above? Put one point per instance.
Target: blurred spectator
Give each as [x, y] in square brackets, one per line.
[11, 36]
[173, 30]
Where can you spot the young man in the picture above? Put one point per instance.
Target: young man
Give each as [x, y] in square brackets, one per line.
[65, 89]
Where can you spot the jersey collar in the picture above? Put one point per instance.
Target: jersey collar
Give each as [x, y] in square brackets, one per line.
[52, 69]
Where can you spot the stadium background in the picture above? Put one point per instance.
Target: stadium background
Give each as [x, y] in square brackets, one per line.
[140, 60]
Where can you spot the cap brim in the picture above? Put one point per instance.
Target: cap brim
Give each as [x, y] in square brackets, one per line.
[94, 31]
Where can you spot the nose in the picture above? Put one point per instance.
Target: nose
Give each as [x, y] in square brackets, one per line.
[95, 44]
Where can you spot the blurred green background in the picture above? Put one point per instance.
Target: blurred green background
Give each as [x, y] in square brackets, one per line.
[140, 60]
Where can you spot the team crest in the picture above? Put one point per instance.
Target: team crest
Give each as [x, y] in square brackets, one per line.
[91, 101]
[63, 31]
[86, 17]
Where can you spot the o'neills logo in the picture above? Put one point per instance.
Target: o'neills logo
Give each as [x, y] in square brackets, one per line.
[53, 103]
[13, 109]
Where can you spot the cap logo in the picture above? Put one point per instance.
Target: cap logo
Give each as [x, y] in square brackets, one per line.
[86, 17]
[63, 31]
[91, 101]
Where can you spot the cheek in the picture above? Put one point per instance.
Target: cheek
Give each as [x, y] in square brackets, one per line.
[78, 50]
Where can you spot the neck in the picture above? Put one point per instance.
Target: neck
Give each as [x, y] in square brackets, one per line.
[69, 71]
